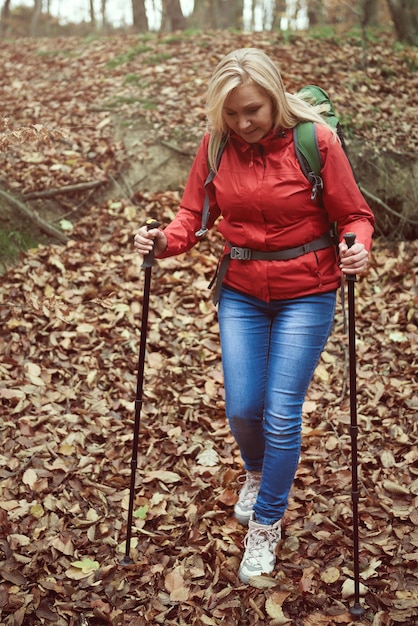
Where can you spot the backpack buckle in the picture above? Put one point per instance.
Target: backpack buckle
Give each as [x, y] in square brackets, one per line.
[240, 254]
[317, 185]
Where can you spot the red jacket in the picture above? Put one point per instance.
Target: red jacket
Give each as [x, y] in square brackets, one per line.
[265, 204]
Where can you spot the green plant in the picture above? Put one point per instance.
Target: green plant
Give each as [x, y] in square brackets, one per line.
[154, 59]
[409, 55]
[128, 56]
[324, 32]
[173, 39]
[190, 32]
[12, 243]
[114, 103]
[134, 79]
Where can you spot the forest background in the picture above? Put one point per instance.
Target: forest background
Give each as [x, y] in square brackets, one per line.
[99, 126]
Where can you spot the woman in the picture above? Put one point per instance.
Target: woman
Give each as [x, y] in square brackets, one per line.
[274, 315]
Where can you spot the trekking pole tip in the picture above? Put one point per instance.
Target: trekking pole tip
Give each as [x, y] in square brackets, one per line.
[357, 610]
[126, 561]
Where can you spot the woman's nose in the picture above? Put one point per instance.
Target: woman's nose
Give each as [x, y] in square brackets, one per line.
[243, 122]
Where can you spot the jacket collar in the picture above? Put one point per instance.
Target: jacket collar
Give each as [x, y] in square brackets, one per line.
[267, 142]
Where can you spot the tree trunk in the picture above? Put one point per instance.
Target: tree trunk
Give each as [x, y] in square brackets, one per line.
[4, 19]
[315, 12]
[279, 11]
[140, 18]
[35, 18]
[201, 16]
[405, 18]
[172, 18]
[104, 19]
[229, 13]
[214, 14]
[92, 15]
[369, 13]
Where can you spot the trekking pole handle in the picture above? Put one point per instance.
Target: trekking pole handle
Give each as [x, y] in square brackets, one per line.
[149, 258]
[349, 239]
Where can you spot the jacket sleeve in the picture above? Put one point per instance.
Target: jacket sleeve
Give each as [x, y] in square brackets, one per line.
[181, 232]
[342, 197]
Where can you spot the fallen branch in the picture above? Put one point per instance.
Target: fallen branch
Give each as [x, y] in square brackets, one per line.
[26, 212]
[387, 208]
[50, 193]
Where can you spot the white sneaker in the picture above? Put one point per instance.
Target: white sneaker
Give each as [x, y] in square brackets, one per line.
[247, 497]
[260, 550]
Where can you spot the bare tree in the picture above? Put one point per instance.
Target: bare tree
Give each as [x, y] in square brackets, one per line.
[405, 18]
[103, 12]
[140, 18]
[213, 14]
[172, 18]
[35, 18]
[369, 13]
[279, 11]
[4, 19]
[315, 12]
[92, 14]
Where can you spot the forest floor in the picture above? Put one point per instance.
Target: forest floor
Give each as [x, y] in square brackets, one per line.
[70, 316]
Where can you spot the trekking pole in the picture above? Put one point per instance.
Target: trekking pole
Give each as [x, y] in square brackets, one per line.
[357, 609]
[147, 264]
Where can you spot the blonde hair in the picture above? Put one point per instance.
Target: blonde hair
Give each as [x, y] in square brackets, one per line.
[251, 65]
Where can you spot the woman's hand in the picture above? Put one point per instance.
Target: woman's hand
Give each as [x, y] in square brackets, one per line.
[353, 260]
[145, 240]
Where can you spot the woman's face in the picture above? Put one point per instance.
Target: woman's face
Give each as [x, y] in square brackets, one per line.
[248, 111]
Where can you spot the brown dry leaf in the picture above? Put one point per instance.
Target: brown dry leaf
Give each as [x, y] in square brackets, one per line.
[347, 590]
[208, 457]
[395, 488]
[30, 477]
[263, 582]
[306, 583]
[166, 477]
[176, 585]
[330, 575]
[275, 611]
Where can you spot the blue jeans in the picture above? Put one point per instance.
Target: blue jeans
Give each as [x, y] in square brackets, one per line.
[269, 354]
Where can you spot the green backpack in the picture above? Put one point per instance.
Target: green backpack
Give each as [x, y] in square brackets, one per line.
[306, 143]
[306, 147]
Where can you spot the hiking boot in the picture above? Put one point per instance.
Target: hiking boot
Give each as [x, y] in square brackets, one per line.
[260, 550]
[247, 497]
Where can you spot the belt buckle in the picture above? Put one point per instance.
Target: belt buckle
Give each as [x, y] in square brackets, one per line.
[240, 254]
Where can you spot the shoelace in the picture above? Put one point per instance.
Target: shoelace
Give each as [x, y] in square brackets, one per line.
[250, 488]
[255, 541]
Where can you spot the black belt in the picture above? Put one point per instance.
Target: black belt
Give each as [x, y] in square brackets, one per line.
[247, 254]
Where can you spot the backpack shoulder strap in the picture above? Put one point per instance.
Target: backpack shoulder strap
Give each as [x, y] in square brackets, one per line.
[309, 157]
[206, 204]
[307, 149]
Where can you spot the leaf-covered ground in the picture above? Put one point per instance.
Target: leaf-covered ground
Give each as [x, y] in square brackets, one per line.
[69, 337]
[79, 87]
[70, 322]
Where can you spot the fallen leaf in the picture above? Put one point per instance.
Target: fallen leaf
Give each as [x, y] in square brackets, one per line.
[330, 575]
[348, 590]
